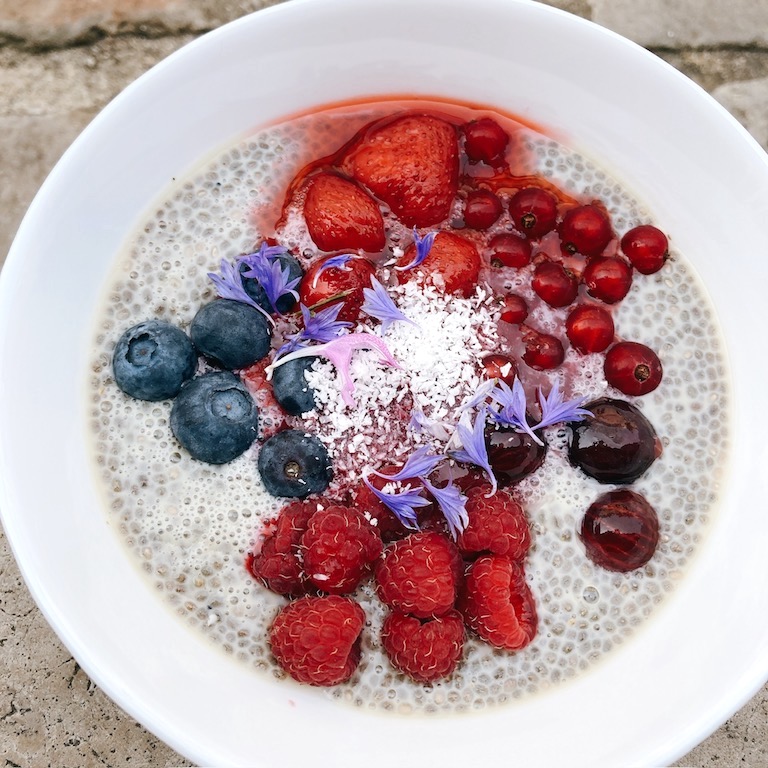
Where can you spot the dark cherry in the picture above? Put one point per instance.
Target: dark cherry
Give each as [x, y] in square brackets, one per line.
[585, 229]
[632, 368]
[515, 309]
[502, 367]
[485, 141]
[616, 444]
[554, 283]
[512, 455]
[646, 247]
[589, 328]
[336, 285]
[543, 352]
[509, 250]
[481, 209]
[534, 211]
[608, 278]
[620, 531]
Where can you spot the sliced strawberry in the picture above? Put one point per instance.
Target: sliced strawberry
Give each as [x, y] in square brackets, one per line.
[453, 264]
[322, 286]
[410, 163]
[340, 215]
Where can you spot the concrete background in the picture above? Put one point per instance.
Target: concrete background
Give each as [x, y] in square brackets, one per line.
[61, 61]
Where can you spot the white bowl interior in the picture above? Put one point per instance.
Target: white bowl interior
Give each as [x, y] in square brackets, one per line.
[703, 654]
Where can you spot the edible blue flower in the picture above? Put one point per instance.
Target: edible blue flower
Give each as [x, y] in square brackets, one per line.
[423, 247]
[229, 285]
[273, 277]
[474, 450]
[338, 262]
[453, 505]
[402, 504]
[321, 327]
[554, 410]
[513, 408]
[418, 464]
[378, 303]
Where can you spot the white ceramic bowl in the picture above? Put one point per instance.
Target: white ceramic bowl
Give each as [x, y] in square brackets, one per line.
[704, 653]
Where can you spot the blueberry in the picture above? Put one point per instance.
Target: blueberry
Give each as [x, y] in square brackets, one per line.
[152, 360]
[294, 463]
[231, 333]
[214, 417]
[291, 388]
[286, 302]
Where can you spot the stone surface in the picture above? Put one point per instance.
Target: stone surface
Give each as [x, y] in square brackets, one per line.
[50, 712]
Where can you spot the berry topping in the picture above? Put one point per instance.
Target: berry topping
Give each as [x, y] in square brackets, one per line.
[585, 229]
[420, 575]
[589, 328]
[323, 285]
[515, 309]
[485, 141]
[509, 250]
[632, 368]
[410, 163]
[646, 247]
[152, 360]
[534, 212]
[554, 283]
[294, 464]
[497, 603]
[616, 445]
[513, 455]
[338, 548]
[340, 215]
[543, 351]
[291, 388]
[608, 278]
[316, 640]
[497, 525]
[424, 649]
[452, 264]
[499, 367]
[269, 276]
[620, 531]
[214, 417]
[481, 209]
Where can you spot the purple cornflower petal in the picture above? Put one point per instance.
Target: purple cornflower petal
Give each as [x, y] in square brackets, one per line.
[338, 262]
[402, 504]
[480, 396]
[423, 247]
[420, 423]
[323, 326]
[554, 409]
[453, 505]
[418, 464]
[339, 352]
[378, 303]
[474, 450]
[273, 277]
[513, 408]
[229, 285]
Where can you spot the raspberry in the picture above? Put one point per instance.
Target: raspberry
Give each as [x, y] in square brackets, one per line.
[338, 548]
[316, 640]
[496, 524]
[424, 649]
[278, 564]
[420, 575]
[497, 603]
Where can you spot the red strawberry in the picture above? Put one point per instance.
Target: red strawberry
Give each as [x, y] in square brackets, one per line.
[426, 650]
[497, 603]
[410, 163]
[338, 547]
[452, 264]
[420, 575]
[497, 524]
[337, 284]
[341, 215]
[316, 640]
[278, 564]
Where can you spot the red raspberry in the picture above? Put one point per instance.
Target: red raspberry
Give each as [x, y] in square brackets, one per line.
[497, 603]
[278, 563]
[426, 650]
[497, 524]
[338, 548]
[420, 575]
[316, 640]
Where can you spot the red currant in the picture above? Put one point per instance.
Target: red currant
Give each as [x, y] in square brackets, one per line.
[485, 141]
[481, 209]
[608, 278]
[585, 229]
[620, 531]
[589, 328]
[554, 283]
[632, 368]
[534, 211]
[543, 352]
[500, 367]
[515, 309]
[646, 247]
[510, 250]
